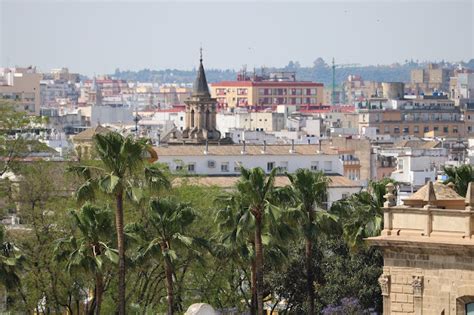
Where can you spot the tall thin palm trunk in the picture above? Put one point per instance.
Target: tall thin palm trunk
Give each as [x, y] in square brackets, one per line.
[309, 275]
[253, 301]
[169, 281]
[99, 290]
[259, 263]
[121, 251]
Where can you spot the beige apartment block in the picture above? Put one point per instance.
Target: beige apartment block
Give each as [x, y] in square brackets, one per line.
[267, 93]
[21, 86]
[428, 252]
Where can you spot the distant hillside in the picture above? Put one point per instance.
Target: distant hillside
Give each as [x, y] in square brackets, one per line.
[320, 72]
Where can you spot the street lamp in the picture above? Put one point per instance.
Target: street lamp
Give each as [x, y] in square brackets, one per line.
[136, 119]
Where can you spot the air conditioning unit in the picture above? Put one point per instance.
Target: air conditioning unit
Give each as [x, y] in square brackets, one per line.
[211, 164]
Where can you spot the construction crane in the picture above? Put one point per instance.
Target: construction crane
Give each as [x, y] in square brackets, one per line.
[334, 65]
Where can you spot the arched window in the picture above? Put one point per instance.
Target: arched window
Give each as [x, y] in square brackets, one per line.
[192, 118]
[208, 119]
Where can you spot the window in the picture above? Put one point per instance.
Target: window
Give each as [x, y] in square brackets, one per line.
[436, 128]
[345, 195]
[400, 164]
[283, 166]
[386, 129]
[416, 129]
[211, 164]
[225, 167]
[426, 129]
[237, 166]
[314, 166]
[179, 167]
[396, 130]
[445, 129]
[241, 91]
[191, 167]
[270, 166]
[328, 166]
[470, 308]
[406, 130]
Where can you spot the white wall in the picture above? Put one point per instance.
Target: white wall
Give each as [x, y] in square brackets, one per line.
[416, 169]
[328, 163]
[338, 193]
[105, 114]
[177, 118]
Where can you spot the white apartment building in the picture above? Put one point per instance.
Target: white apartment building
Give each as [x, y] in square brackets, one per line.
[414, 166]
[57, 93]
[258, 121]
[176, 116]
[251, 136]
[464, 88]
[225, 160]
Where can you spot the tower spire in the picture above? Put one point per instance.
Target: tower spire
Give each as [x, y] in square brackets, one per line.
[200, 87]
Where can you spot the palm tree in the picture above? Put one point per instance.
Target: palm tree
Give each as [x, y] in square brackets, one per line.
[168, 221]
[308, 193]
[90, 251]
[361, 214]
[123, 164]
[257, 190]
[236, 238]
[460, 176]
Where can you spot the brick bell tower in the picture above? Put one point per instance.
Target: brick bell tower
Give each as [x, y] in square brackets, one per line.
[200, 116]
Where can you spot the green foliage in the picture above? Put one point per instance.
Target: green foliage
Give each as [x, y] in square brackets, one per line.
[361, 214]
[460, 176]
[13, 145]
[339, 273]
[202, 236]
[90, 249]
[319, 72]
[10, 260]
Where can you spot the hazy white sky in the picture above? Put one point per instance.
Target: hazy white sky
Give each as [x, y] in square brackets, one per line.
[99, 36]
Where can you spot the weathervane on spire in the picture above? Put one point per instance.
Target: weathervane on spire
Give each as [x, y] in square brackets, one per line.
[200, 52]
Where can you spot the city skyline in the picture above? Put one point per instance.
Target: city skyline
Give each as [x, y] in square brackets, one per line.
[99, 36]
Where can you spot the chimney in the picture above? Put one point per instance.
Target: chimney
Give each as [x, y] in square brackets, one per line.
[292, 150]
[206, 149]
[264, 150]
[243, 148]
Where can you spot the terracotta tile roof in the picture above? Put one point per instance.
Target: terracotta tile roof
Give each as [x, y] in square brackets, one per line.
[235, 149]
[418, 144]
[441, 192]
[280, 181]
[90, 132]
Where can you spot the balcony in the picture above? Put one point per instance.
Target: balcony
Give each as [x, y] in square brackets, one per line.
[351, 162]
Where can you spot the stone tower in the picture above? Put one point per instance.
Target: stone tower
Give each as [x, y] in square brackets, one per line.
[200, 117]
[428, 250]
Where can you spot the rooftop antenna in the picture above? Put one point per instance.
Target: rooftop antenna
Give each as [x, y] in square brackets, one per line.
[333, 98]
